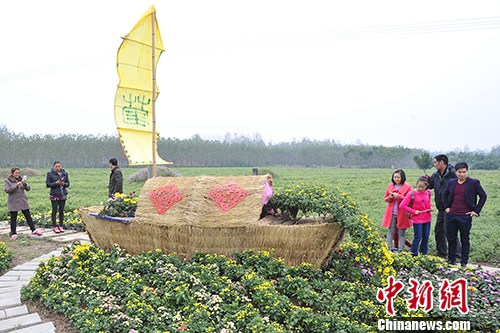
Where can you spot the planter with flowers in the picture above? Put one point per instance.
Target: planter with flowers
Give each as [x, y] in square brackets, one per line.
[121, 207]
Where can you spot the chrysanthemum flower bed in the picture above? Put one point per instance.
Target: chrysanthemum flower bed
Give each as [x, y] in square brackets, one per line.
[5, 257]
[483, 289]
[252, 292]
[153, 292]
[72, 220]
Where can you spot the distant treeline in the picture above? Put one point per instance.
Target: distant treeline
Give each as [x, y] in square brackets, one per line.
[91, 151]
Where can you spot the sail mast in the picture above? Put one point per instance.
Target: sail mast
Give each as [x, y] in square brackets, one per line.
[153, 109]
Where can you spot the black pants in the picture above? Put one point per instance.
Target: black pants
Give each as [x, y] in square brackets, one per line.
[464, 224]
[440, 234]
[58, 205]
[13, 221]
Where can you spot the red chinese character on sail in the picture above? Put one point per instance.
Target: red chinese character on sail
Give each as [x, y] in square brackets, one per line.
[454, 295]
[388, 294]
[420, 295]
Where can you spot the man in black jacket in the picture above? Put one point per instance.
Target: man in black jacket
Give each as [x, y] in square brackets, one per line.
[438, 180]
[460, 199]
[115, 178]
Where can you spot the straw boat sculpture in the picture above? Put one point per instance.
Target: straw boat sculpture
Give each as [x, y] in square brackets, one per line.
[213, 215]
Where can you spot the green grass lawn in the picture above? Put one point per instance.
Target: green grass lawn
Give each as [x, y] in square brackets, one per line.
[366, 186]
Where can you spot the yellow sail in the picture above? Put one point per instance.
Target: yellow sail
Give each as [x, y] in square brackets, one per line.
[134, 96]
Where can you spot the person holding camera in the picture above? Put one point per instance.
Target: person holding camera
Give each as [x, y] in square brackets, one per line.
[395, 219]
[15, 186]
[57, 180]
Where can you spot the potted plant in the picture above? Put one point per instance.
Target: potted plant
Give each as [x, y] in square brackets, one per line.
[120, 205]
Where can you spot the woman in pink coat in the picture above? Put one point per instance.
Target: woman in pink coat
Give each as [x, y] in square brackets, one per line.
[394, 218]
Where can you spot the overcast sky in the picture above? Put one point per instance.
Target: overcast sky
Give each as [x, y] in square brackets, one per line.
[422, 74]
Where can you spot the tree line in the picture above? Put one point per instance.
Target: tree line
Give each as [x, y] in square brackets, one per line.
[94, 151]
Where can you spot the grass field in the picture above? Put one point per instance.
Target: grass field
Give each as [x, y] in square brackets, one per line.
[366, 186]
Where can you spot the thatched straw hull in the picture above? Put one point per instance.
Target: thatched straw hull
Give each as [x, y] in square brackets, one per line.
[312, 243]
[195, 224]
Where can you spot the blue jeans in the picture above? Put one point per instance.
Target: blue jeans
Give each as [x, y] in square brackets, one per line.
[464, 224]
[421, 236]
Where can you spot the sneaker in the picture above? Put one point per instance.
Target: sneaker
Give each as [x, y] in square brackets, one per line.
[61, 229]
[37, 232]
[464, 266]
[13, 237]
[56, 230]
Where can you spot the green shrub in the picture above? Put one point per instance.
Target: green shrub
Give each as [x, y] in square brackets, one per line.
[365, 251]
[5, 257]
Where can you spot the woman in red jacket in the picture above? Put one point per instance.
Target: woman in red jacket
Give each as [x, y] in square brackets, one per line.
[395, 219]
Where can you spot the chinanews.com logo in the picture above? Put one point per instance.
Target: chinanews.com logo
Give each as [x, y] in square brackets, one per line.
[452, 295]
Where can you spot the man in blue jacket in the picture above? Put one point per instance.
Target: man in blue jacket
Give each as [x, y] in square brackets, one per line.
[461, 204]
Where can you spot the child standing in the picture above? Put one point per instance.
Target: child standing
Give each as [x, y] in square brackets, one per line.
[395, 219]
[418, 204]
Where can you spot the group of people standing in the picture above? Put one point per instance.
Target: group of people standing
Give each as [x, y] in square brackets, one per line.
[58, 181]
[16, 187]
[458, 199]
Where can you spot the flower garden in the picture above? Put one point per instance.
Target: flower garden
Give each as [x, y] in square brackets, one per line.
[72, 220]
[5, 256]
[103, 291]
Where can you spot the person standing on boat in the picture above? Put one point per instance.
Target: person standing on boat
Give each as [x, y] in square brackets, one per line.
[57, 180]
[15, 186]
[266, 196]
[115, 178]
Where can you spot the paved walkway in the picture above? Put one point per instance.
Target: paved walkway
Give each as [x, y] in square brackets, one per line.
[14, 316]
